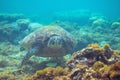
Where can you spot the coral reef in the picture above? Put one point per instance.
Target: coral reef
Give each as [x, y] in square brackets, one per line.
[13, 75]
[9, 55]
[100, 22]
[12, 27]
[23, 24]
[3, 63]
[8, 33]
[34, 26]
[7, 49]
[49, 73]
[11, 17]
[91, 54]
[7, 76]
[114, 71]
[92, 63]
[115, 25]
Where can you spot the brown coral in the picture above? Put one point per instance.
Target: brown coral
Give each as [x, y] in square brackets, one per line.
[114, 71]
[96, 58]
[98, 65]
[7, 75]
[91, 54]
[48, 73]
[91, 63]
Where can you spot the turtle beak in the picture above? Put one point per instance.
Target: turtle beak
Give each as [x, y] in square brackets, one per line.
[55, 42]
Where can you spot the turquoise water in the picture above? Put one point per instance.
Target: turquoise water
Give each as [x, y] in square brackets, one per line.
[44, 9]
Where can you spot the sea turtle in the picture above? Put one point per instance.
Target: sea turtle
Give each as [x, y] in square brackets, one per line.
[48, 41]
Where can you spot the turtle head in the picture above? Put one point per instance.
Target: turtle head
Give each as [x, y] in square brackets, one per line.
[55, 42]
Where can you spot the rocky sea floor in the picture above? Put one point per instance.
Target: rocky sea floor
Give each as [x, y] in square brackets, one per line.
[96, 56]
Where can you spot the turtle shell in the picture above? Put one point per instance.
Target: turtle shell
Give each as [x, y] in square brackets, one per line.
[41, 36]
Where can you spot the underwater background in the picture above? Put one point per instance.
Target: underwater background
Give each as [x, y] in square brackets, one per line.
[59, 39]
[46, 8]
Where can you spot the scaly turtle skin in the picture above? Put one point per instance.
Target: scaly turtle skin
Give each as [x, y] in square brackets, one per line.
[48, 41]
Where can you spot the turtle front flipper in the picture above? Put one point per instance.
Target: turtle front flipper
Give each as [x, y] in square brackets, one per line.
[27, 56]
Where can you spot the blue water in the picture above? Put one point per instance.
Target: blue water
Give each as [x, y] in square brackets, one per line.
[43, 9]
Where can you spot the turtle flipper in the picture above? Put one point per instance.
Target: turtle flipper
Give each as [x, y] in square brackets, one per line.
[27, 56]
